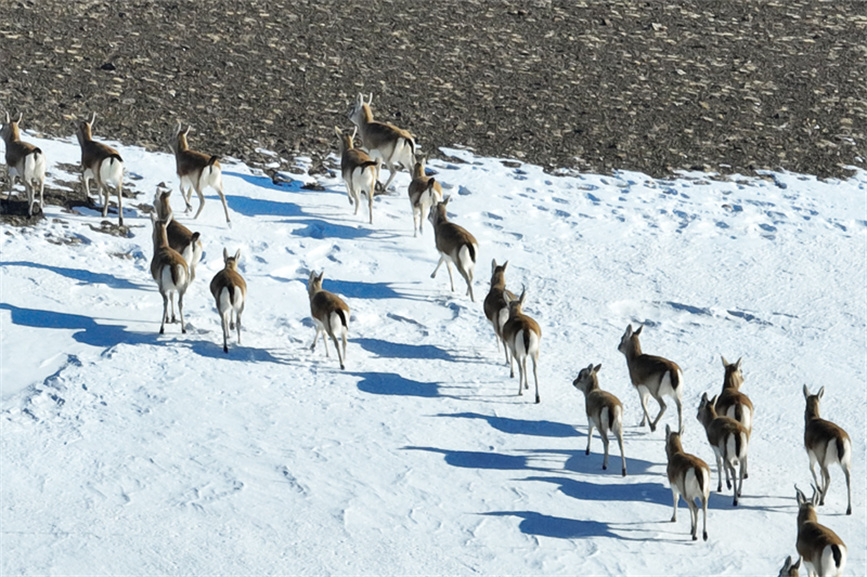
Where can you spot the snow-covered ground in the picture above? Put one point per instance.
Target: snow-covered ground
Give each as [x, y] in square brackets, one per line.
[129, 452]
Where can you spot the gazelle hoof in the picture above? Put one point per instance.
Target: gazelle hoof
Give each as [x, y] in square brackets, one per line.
[704, 535]
[624, 472]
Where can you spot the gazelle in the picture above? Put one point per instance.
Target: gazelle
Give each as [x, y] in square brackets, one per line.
[790, 569]
[455, 245]
[103, 164]
[424, 192]
[180, 237]
[395, 146]
[689, 476]
[360, 172]
[653, 376]
[497, 302]
[730, 441]
[522, 335]
[604, 411]
[25, 161]
[826, 444]
[230, 293]
[170, 271]
[196, 171]
[731, 402]
[330, 315]
[821, 550]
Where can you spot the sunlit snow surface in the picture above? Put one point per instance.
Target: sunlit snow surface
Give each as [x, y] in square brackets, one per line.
[129, 452]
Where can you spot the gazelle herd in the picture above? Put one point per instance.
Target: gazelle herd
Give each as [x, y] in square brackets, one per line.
[727, 418]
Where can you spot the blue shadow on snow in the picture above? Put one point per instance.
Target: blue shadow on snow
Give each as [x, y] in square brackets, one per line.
[254, 207]
[80, 275]
[394, 384]
[521, 426]
[479, 459]
[533, 523]
[391, 350]
[89, 331]
[656, 493]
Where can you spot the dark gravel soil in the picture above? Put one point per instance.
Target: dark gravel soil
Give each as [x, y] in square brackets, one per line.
[727, 85]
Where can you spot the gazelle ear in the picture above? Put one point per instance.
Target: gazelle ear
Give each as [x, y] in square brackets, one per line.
[92, 119]
[806, 392]
[821, 392]
[638, 330]
[225, 254]
[738, 363]
[238, 255]
[667, 431]
[493, 265]
[505, 264]
[338, 131]
[597, 367]
[724, 361]
[370, 99]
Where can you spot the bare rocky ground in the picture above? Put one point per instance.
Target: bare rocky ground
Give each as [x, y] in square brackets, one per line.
[731, 86]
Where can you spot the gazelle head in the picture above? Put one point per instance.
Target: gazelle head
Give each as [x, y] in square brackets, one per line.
[516, 306]
[314, 282]
[438, 211]
[629, 341]
[9, 132]
[672, 441]
[347, 141]
[587, 380]
[734, 378]
[807, 507]
[498, 274]
[812, 409]
[84, 133]
[789, 569]
[706, 411]
[360, 112]
[231, 262]
[178, 138]
[419, 169]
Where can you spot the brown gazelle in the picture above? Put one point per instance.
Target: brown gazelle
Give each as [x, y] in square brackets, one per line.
[653, 376]
[330, 315]
[790, 569]
[497, 302]
[688, 476]
[604, 411]
[822, 551]
[424, 192]
[103, 164]
[395, 146]
[522, 335]
[24, 161]
[230, 293]
[730, 441]
[826, 444]
[731, 402]
[360, 172]
[455, 245]
[170, 271]
[181, 238]
[196, 171]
